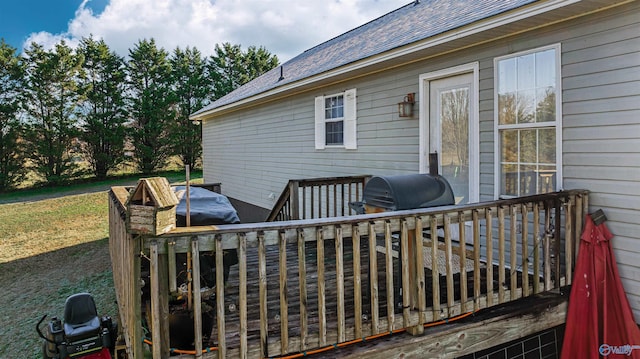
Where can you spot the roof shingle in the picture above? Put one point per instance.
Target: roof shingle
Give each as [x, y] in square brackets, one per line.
[411, 23]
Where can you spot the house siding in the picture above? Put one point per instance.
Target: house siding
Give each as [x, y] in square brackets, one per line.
[254, 152]
[601, 149]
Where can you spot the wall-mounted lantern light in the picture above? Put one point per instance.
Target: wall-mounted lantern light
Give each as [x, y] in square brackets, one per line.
[405, 108]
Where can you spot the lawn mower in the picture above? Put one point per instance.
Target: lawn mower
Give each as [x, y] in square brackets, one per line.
[82, 334]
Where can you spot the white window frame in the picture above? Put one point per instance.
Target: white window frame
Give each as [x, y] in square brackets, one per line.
[539, 125]
[349, 128]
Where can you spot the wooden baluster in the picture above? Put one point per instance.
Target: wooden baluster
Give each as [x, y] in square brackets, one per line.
[420, 277]
[449, 264]
[462, 253]
[548, 281]
[537, 244]
[557, 245]
[284, 298]
[513, 256]
[262, 277]
[489, 234]
[313, 202]
[242, 276]
[373, 279]
[302, 278]
[304, 203]
[525, 249]
[389, 276]
[340, 284]
[222, 342]
[476, 260]
[569, 219]
[327, 203]
[501, 255]
[405, 257]
[155, 300]
[337, 194]
[578, 227]
[322, 315]
[435, 271]
[357, 280]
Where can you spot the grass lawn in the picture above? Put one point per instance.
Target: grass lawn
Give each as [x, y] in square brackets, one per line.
[52, 245]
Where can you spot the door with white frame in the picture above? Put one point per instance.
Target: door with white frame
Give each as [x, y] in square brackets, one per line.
[449, 127]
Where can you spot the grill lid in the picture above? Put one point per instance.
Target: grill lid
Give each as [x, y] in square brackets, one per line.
[400, 192]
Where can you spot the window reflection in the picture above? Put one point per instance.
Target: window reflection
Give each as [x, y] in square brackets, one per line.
[526, 92]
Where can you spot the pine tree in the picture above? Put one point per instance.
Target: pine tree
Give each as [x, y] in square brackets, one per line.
[150, 105]
[226, 68]
[192, 86]
[11, 74]
[230, 67]
[102, 111]
[257, 61]
[49, 99]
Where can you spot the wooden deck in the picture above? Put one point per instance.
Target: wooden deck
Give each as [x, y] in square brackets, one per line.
[304, 285]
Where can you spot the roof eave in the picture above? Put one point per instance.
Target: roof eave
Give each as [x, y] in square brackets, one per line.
[321, 79]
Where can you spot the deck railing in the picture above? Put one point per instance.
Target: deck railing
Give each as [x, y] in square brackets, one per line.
[309, 284]
[317, 198]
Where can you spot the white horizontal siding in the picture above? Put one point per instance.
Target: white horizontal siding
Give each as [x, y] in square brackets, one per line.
[271, 144]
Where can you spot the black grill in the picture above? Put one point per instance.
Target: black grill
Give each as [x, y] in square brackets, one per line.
[400, 192]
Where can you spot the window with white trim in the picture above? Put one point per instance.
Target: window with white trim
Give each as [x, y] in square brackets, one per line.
[528, 123]
[335, 119]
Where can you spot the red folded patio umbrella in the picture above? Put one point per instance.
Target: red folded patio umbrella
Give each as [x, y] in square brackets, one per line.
[600, 322]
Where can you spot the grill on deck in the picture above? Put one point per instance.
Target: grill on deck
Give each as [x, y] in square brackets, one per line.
[400, 192]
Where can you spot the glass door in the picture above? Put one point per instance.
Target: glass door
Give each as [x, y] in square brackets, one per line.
[451, 102]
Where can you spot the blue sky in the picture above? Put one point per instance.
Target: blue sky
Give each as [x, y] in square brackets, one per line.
[18, 19]
[284, 27]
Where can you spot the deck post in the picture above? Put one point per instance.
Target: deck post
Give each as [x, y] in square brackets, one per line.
[294, 206]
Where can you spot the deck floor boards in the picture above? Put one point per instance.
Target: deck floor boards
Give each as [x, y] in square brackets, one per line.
[232, 328]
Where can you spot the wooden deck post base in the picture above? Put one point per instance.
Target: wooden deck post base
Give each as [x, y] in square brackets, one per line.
[416, 330]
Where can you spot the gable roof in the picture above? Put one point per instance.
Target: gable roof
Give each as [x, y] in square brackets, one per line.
[153, 192]
[411, 23]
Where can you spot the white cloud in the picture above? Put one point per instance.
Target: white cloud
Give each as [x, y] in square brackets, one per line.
[285, 28]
